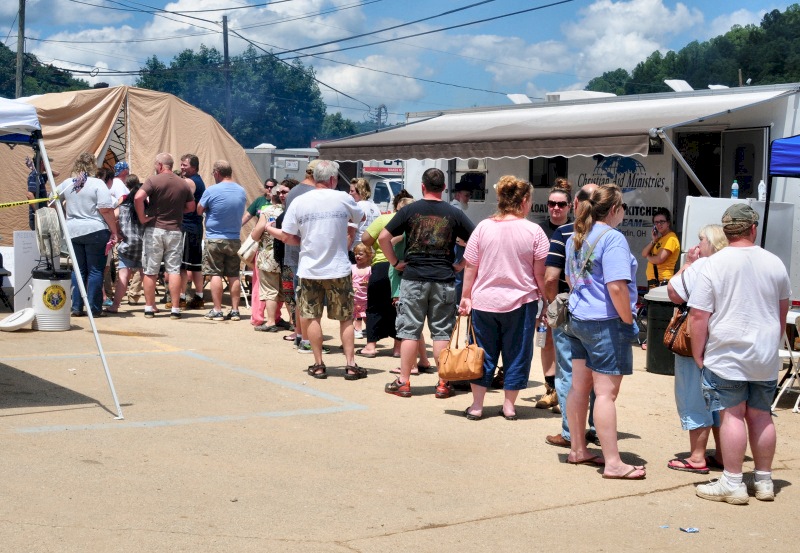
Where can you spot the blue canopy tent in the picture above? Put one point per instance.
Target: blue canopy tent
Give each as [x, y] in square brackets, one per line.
[784, 161]
[19, 125]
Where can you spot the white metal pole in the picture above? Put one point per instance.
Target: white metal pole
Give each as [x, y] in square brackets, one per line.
[79, 279]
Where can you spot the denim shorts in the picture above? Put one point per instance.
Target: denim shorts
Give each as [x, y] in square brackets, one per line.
[721, 394]
[689, 399]
[434, 300]
[605, 345]
[125, 263]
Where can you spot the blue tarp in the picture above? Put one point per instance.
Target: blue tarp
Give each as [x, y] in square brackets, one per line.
[785, 157]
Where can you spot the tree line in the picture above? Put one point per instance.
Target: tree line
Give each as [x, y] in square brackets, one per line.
[768, 53]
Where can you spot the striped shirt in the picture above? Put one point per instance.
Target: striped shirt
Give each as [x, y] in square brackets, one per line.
[558, 250]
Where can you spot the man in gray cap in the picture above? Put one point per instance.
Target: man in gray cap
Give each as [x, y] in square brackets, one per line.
[738, 313]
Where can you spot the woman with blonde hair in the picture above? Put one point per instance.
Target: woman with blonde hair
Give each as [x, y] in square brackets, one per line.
[692, 410]
[602, 274]
[92, 227]
[502, 282]
[361, 192]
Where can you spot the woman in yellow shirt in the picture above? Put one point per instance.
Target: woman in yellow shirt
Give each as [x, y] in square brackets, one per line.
[662, 252]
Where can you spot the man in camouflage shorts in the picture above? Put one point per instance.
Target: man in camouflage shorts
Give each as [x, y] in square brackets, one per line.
[318, 222]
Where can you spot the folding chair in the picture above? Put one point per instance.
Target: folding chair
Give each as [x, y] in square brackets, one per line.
[793, 374]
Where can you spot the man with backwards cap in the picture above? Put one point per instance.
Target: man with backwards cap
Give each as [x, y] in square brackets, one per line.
[738, 314]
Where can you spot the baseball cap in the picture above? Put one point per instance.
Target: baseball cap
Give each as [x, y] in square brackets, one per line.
[119, 167]
[739, 213]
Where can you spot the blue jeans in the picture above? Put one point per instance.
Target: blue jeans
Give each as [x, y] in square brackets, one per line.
[564, 378]
[90, 256]
[510, 334]
[459, 255]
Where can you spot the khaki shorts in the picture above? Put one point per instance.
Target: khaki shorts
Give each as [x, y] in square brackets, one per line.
[220, 258]
[162, 245]
[337, 293]
[269, 285]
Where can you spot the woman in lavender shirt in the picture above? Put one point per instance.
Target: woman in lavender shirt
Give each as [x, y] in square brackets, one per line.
[601, 309]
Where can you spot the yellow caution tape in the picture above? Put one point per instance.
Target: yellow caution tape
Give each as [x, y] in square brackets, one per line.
[24, 202]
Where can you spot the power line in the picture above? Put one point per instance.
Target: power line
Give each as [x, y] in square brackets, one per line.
[469, 23]
[449, 12]
[191, 35]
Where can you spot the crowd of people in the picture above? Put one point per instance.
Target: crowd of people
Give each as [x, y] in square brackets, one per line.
[384, 275]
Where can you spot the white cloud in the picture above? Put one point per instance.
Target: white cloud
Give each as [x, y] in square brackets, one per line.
[370, 87]
[613, 34]
[511, 60]
[723, 23]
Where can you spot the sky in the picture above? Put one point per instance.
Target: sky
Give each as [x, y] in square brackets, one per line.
[383, 56]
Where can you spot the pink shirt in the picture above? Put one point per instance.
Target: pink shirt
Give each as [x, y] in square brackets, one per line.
[504, 253]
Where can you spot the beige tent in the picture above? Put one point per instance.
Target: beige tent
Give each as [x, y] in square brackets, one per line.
[120, 123]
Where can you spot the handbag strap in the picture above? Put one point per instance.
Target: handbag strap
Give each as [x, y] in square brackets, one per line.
[589, 253]
[455, 330]
[685, 289]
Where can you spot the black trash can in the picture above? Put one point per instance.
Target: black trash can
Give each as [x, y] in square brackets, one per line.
[659, 312]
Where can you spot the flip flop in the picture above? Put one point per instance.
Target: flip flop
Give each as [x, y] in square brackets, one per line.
[507, 417]
[595, 461]
[627, 475]
[470, 417]
[360, 353]
[290, 337]
[684, 466]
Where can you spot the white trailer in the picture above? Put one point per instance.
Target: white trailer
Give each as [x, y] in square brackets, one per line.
[659, 148]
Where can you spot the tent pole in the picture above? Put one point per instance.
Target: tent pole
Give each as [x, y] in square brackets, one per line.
[766, 210]
[682, 162]
[79, 279]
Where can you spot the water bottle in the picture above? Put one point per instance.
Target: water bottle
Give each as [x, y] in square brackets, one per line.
[762, 191]
[735, 190]
[541, 334]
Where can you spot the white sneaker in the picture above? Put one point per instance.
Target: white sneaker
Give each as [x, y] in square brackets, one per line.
[358, 334]
[718, 489]
[762, 489]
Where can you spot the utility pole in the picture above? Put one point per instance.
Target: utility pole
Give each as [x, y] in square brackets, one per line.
[20, 48]
[227, 73]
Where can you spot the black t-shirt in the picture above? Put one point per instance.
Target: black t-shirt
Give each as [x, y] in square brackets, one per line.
[431, 228]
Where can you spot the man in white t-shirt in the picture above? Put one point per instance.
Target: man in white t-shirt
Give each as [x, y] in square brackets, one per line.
[739, 306]
[318, 221]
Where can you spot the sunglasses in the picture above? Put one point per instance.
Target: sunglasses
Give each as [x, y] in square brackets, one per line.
[624, 206]
[561, 205]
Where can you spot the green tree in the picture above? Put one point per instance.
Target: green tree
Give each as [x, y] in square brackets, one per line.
[336, 126]
[271, 101]
[610, 81]
[38, 78]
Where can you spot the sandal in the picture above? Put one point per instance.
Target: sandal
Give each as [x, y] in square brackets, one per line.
[361, 353]
[684, 466]
[354, 372]
[290, 337]
[317, 370]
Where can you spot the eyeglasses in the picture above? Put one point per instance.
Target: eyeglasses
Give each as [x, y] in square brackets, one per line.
[560, 205]
[661, 222]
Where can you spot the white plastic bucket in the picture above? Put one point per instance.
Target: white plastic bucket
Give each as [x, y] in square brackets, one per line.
[52, 292]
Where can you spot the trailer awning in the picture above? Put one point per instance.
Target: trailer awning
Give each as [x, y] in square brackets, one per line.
[614, 126]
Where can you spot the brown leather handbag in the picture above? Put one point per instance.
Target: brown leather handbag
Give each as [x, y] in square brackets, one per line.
[676, 337]
[461, 363]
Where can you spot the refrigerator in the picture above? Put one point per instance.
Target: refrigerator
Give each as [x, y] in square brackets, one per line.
[701, 211]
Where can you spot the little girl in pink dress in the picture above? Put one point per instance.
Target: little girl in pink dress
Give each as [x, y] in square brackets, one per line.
[361, 271]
